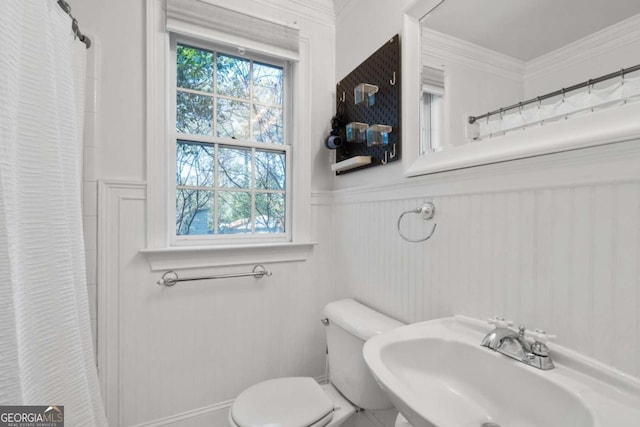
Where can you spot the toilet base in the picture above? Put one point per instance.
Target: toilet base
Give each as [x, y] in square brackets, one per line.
[402, 421]
[343, 408]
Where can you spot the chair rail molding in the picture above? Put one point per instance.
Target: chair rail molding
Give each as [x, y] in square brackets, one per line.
[603, 164]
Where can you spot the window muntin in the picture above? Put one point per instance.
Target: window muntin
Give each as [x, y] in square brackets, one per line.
[231, 155]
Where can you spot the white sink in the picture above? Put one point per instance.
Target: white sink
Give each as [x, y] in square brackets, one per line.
[437, 374]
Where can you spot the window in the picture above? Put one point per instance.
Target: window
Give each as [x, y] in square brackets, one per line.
[431, 120]
[431, 109]
[231, 149]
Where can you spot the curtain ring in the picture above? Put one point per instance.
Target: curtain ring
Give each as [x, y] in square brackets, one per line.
[589, 84]
[622, 75]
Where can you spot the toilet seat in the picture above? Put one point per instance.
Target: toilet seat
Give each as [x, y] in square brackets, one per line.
[283, 402]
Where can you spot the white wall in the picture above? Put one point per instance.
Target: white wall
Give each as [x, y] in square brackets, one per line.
[361, 28]
[556, 247]
[601, 53]
[181, 354]
[477, 80]
[551, 242]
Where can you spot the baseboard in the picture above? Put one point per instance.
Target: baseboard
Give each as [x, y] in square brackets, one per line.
[213, 415]
[195, 417]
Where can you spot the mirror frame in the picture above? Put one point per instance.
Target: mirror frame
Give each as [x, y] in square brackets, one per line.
[612, 126]
[411, 90]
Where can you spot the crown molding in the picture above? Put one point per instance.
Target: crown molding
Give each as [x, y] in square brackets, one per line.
[598, 43]
[342, 6]
[441, 46]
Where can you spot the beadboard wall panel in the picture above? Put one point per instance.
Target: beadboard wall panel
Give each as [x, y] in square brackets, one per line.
[178, 355]
[564, 258]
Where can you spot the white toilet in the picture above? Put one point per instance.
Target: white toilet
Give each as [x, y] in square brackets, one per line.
[301, 401]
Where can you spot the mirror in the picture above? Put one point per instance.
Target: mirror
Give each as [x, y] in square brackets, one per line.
[480, 56]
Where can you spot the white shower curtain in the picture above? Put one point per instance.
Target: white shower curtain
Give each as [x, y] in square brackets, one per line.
[608, 94]
[46, 354]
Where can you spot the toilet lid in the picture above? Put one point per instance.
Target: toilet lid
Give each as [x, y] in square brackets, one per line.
[282, 402]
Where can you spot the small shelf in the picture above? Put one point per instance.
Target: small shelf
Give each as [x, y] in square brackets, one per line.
[351, 163]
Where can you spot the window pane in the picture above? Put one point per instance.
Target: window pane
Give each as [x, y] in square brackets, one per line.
[194, 164]
[234, 167]
[270, 170]
[270, 208]
[194, 212]
[234, 212]
[194, 114]
[267, 84]
[233, 119]
[267, 124]
[233, 76]
[195, 68]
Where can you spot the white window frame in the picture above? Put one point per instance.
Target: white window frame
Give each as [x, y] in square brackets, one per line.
[158, 248]
[427, 143]
[286, 148]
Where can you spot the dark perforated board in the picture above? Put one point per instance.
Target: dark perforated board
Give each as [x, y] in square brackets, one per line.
[378, 70]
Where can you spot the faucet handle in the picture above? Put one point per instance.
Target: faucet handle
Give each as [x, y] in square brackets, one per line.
[540, 336]
[499, 322]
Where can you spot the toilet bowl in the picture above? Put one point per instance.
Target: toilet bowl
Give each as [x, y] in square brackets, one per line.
[301, 401]
[295, 401]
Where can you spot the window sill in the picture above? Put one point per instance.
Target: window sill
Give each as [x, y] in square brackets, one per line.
[599, 128]
[176, 258]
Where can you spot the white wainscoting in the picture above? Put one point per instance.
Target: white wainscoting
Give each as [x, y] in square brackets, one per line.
[551, 242]
[177, 356]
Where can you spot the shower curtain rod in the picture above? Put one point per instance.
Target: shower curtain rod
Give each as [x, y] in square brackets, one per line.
[74, 23]
[473, 119]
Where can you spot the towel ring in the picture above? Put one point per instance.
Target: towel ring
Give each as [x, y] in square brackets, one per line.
[428, 210]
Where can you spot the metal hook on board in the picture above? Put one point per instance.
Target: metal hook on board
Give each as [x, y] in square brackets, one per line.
[393, 152]
[344, 97]
[386, 158]
[393, 80]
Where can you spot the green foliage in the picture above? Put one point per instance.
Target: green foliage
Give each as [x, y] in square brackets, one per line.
[238, 208]
[194, 68]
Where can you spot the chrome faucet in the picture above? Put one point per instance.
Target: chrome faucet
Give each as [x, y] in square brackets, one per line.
[525, 346]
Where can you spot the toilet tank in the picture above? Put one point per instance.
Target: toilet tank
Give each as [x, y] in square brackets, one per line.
[350, 325]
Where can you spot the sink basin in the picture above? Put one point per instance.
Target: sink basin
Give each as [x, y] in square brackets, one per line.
[437, 374]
